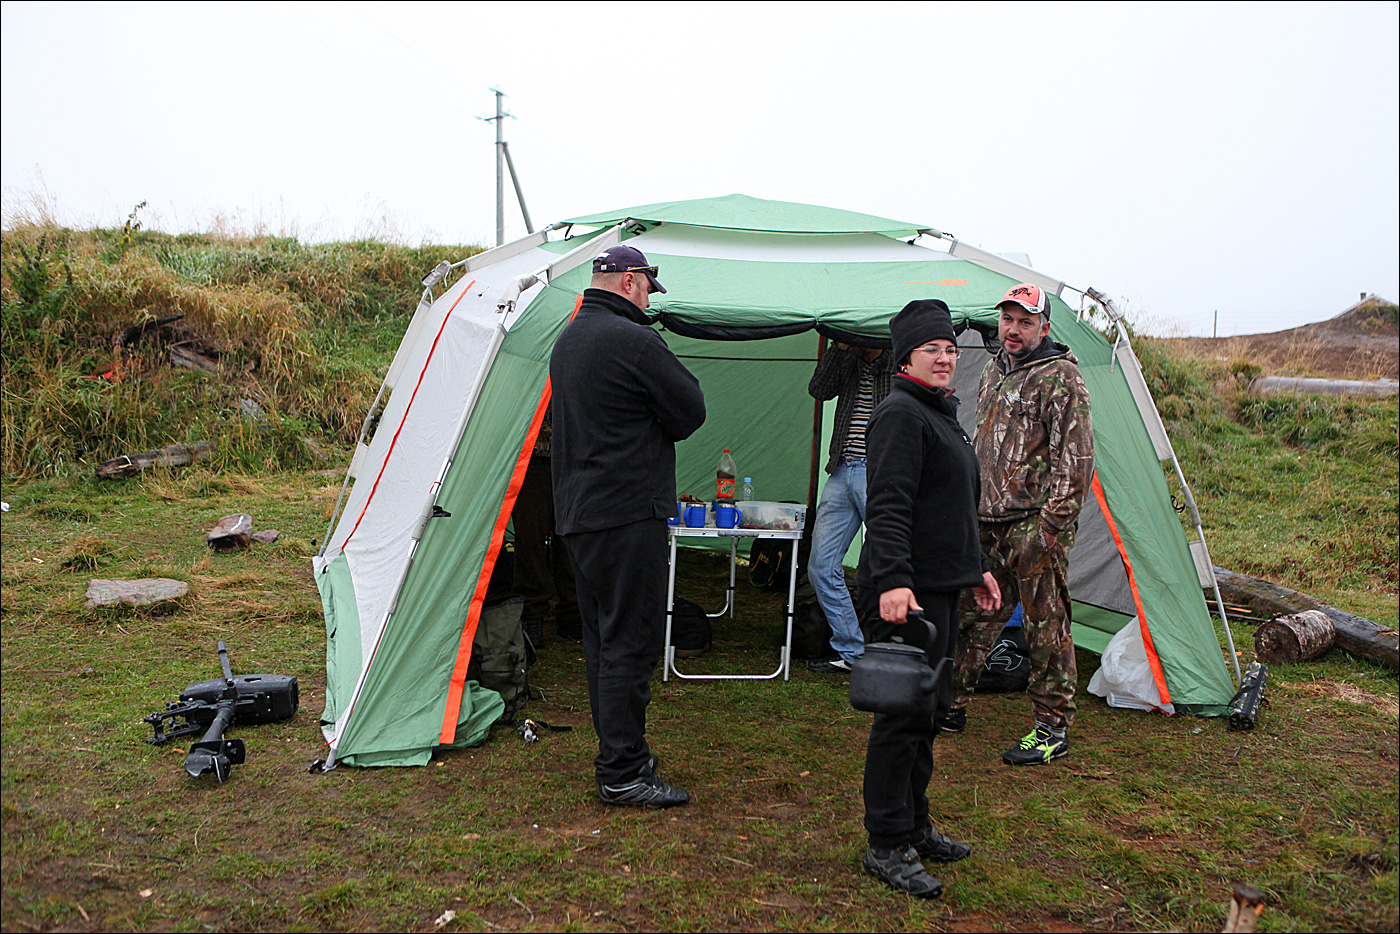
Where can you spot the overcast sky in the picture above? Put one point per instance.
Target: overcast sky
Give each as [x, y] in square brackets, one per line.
[1186, 158]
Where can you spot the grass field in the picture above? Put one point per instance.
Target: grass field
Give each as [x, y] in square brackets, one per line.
[1144, 827]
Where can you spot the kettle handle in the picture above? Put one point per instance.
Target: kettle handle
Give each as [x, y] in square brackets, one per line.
[916, 616]
[939, 669]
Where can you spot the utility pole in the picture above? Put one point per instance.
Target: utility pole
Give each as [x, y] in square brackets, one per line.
[503, 162]
[1215, 328]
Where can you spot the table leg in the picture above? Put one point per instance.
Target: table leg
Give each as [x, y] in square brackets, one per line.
[791, 610]
[733, 555]
[668, 653]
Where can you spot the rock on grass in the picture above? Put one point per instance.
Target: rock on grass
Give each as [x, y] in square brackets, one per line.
[145, 592]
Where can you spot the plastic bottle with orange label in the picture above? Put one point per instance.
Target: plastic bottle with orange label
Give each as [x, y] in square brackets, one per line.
[724, 478]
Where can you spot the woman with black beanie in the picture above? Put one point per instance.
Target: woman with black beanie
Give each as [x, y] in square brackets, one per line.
[921, 551]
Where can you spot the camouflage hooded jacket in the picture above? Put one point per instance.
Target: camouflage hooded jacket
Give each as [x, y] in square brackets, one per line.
[1034, 439]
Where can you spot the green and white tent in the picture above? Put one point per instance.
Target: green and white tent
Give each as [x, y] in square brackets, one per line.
[753, 289]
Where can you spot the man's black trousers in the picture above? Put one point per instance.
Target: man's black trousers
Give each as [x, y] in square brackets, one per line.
[621, 576]
[899, 757]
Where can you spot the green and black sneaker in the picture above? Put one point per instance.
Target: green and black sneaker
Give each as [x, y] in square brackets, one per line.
[1039, 745]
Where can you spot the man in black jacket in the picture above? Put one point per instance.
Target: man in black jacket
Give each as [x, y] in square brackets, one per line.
[621, 402]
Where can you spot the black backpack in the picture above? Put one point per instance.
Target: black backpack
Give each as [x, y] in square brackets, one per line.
[811, 633]
[691, 632]
[501, 655]
[1008, 664]
[769, 561]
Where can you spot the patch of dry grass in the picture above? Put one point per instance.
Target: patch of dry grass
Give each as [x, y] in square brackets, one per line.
[85, 553]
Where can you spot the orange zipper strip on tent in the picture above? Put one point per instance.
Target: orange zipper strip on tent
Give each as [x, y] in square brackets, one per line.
[406, 410]
[1152, 658]
[458, 683]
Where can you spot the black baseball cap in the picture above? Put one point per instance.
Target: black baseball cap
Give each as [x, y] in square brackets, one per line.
[626, 259]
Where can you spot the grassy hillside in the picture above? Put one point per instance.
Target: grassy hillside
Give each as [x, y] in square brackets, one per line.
[301, 330]
[1301, 490]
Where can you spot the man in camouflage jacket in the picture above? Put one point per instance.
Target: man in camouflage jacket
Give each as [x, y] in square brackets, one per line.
[1035, 448]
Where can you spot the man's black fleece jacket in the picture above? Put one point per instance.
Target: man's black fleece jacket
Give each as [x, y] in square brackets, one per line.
[922, 485]
[621, 402]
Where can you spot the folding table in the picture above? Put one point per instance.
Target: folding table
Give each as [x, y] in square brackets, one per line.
[677, 533]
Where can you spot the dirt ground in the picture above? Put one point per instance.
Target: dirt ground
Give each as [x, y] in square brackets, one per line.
[1363, 343]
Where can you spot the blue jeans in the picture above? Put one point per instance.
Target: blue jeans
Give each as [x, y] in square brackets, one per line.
[839, 516]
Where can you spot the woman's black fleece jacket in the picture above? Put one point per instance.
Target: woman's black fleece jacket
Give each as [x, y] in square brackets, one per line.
[922, 484]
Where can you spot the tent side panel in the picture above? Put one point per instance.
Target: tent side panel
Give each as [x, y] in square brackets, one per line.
[400, 711]
[1154, 541]
[756, 404]
[458, 681]
[379, 541]
[381, 444]
[342, 635]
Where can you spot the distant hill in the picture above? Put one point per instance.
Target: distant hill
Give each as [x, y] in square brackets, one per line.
[1362, 342]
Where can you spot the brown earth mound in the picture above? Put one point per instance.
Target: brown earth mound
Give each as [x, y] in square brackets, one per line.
[1361, 343]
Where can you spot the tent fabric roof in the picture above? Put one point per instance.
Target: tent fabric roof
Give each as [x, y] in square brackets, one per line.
[742, 212]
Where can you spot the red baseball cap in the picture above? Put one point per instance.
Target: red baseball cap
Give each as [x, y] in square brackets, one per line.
[1030, 297]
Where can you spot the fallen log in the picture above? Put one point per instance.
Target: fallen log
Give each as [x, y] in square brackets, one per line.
[1267, 385]
[190, 359]
[1298, 637]
[1356, 634]
[173, 455]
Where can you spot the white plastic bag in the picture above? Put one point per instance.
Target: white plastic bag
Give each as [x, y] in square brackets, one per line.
[1124, 677]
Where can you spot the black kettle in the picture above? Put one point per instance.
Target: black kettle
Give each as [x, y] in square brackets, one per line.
[894, 678]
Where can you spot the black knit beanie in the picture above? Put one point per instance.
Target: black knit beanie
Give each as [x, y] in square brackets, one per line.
[917, 323]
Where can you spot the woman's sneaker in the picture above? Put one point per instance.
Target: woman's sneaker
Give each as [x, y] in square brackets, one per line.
[933, 845]
[1039, 745]
[899, 868]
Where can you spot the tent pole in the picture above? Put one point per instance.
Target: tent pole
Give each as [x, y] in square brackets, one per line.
[345, 484]
[1205, 550]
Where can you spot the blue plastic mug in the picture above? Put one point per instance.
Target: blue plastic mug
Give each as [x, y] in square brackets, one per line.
[727, 517]
[695, 515]
[679, 517]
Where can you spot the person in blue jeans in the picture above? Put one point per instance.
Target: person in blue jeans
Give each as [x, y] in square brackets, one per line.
[858, 378]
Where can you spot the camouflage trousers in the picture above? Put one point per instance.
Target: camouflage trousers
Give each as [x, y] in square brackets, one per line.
[1036, 575]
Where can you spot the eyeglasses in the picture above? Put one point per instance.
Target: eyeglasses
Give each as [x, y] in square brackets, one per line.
[936, 352]
[649, 270]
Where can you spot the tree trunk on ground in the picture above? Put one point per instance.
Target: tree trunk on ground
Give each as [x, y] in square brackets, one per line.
[174, 455]
[1355, 634]
[1298, 637]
